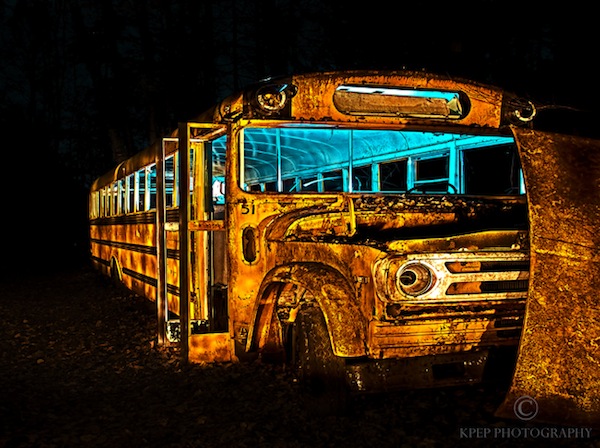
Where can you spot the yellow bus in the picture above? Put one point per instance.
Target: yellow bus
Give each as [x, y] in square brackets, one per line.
[373, 230]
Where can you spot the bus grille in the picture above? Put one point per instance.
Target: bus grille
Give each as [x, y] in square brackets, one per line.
[456, 277]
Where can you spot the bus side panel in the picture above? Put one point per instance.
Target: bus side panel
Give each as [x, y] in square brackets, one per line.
[132, 247]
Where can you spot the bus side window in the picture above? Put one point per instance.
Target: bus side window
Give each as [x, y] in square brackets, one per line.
[432, 174]
[152, 186]
[102, 203]
[492, 170]
[121, 194]
[130, 184]
[141, 197]
[333, 181]
[310, 184]
[361, 178]
[393, 175]
[291, 185]
[218, 190]
[113, 198]
[169, 181]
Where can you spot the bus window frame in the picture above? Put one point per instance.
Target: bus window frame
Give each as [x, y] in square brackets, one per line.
[452, 150]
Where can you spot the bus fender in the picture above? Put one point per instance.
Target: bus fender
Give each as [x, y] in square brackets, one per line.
[335, 296]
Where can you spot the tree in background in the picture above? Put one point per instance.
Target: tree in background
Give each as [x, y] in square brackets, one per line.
[104, 79]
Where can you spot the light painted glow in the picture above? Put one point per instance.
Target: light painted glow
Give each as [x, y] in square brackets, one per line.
[448, 96]
[398, 102]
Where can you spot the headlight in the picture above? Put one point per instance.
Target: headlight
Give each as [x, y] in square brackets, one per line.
[415, 278]
[272, 98]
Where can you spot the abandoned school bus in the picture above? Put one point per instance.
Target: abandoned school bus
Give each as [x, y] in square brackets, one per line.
[378, 230]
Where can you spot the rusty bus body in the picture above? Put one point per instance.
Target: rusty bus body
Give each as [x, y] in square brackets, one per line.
[381, 230]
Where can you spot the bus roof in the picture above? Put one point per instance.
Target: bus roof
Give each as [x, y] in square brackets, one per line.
[420, 100]
[384, 97]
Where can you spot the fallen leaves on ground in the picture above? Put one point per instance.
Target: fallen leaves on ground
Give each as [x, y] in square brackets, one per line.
[79, 367]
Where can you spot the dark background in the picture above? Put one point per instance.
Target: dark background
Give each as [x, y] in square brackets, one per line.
[85, 84]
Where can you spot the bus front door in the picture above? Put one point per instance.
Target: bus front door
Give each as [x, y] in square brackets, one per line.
[203, 284]
[557, 374]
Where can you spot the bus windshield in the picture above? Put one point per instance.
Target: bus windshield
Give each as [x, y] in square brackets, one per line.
[302, 159]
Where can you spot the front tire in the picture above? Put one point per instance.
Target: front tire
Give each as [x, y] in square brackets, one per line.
[320, 372]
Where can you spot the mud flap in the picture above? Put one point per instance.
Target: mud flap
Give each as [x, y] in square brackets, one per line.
[557, 374]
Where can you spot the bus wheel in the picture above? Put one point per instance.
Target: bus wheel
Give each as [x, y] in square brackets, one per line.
[320, 372]
[115, 273]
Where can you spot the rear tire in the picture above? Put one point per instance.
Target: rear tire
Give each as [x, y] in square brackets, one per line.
[320, 372]
[115, 273]
[116, 278]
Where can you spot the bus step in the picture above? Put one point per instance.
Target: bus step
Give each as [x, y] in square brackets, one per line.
[196, 326]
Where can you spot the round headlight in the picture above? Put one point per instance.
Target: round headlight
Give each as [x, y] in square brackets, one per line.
[272, 98]
[415, 278]
[272, 102]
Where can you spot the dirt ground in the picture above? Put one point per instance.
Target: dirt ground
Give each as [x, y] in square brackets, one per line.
[79, 368]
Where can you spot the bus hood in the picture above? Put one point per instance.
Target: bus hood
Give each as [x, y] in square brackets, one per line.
[557, 375]
[389, 222]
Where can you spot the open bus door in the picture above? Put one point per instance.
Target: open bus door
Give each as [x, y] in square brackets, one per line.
[557, 374]
[203, 298]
